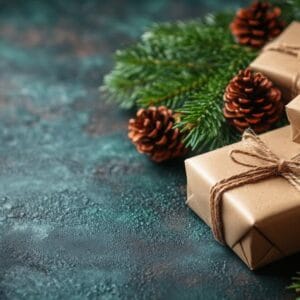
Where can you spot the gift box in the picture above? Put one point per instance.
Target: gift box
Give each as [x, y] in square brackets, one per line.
[293, 113]
[258, 212]
[280, 61]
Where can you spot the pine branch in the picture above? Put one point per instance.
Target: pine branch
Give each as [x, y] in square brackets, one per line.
[175, 65]
[167, 53]
[296, 285]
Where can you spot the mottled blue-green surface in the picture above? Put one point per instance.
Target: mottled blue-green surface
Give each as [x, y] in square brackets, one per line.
[82, 214]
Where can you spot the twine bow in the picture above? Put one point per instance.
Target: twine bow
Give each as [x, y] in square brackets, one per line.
[289, 49]
[265, 165]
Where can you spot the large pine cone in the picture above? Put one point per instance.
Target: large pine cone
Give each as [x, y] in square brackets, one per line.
[152, 132]
[257, 24]
[251, 100]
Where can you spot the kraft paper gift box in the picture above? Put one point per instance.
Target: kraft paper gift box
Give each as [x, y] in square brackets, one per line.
[293, 113]
[280, 61]
[261, 220]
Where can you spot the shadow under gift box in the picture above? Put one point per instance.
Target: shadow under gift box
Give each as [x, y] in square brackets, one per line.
[280, 61]
[261, 220]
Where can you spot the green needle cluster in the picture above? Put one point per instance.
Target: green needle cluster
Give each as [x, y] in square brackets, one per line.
[296, 285]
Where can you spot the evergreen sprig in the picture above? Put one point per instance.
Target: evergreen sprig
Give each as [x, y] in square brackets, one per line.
[185, 66]
[296, 285]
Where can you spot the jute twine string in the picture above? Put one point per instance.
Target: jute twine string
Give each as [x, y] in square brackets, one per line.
[265, 165]
[284, 48]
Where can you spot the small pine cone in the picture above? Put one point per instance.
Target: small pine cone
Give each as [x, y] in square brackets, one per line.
[152, 133]
[257, 24]
[251, 100]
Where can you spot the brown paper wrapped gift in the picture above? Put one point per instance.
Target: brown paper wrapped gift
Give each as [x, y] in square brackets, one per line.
[293, 113]
[261, 220]
[280, 61]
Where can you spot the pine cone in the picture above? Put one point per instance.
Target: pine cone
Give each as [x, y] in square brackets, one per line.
[257, 24]
[152, 132]
[251, 100]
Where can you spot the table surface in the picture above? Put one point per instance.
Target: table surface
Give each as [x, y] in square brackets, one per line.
[82, 214]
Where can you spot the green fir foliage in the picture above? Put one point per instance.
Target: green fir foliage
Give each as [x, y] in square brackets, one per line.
[185, 66]
[296, 285]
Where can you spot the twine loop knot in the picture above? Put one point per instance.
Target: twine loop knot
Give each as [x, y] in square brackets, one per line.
[282, 166]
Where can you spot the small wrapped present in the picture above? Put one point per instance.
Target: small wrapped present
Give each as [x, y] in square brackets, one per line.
[293, 113]
[280, 61]
[249, 194]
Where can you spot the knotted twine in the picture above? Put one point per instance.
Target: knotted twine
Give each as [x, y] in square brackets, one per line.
[265, 165]
[289, 49]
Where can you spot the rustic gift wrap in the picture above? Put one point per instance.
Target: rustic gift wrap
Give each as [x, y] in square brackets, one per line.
[280, 61]
[261, 220]
[293, 113]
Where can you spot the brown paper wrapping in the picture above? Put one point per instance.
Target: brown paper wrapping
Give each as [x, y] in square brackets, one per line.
[293, 113]
[281, 67]
[261, 220]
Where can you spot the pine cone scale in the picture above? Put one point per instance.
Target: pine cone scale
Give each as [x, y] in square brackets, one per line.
[253, 121]
[162, 141]
[259, 101]
[240, 125]
[243, 101]
[258, 115]
[271, 111]
[153, 133]
[245, 111]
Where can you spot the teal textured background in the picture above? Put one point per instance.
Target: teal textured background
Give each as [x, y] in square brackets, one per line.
[82, 214]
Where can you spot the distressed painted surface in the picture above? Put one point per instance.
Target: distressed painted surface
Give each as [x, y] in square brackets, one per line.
[82, 214]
